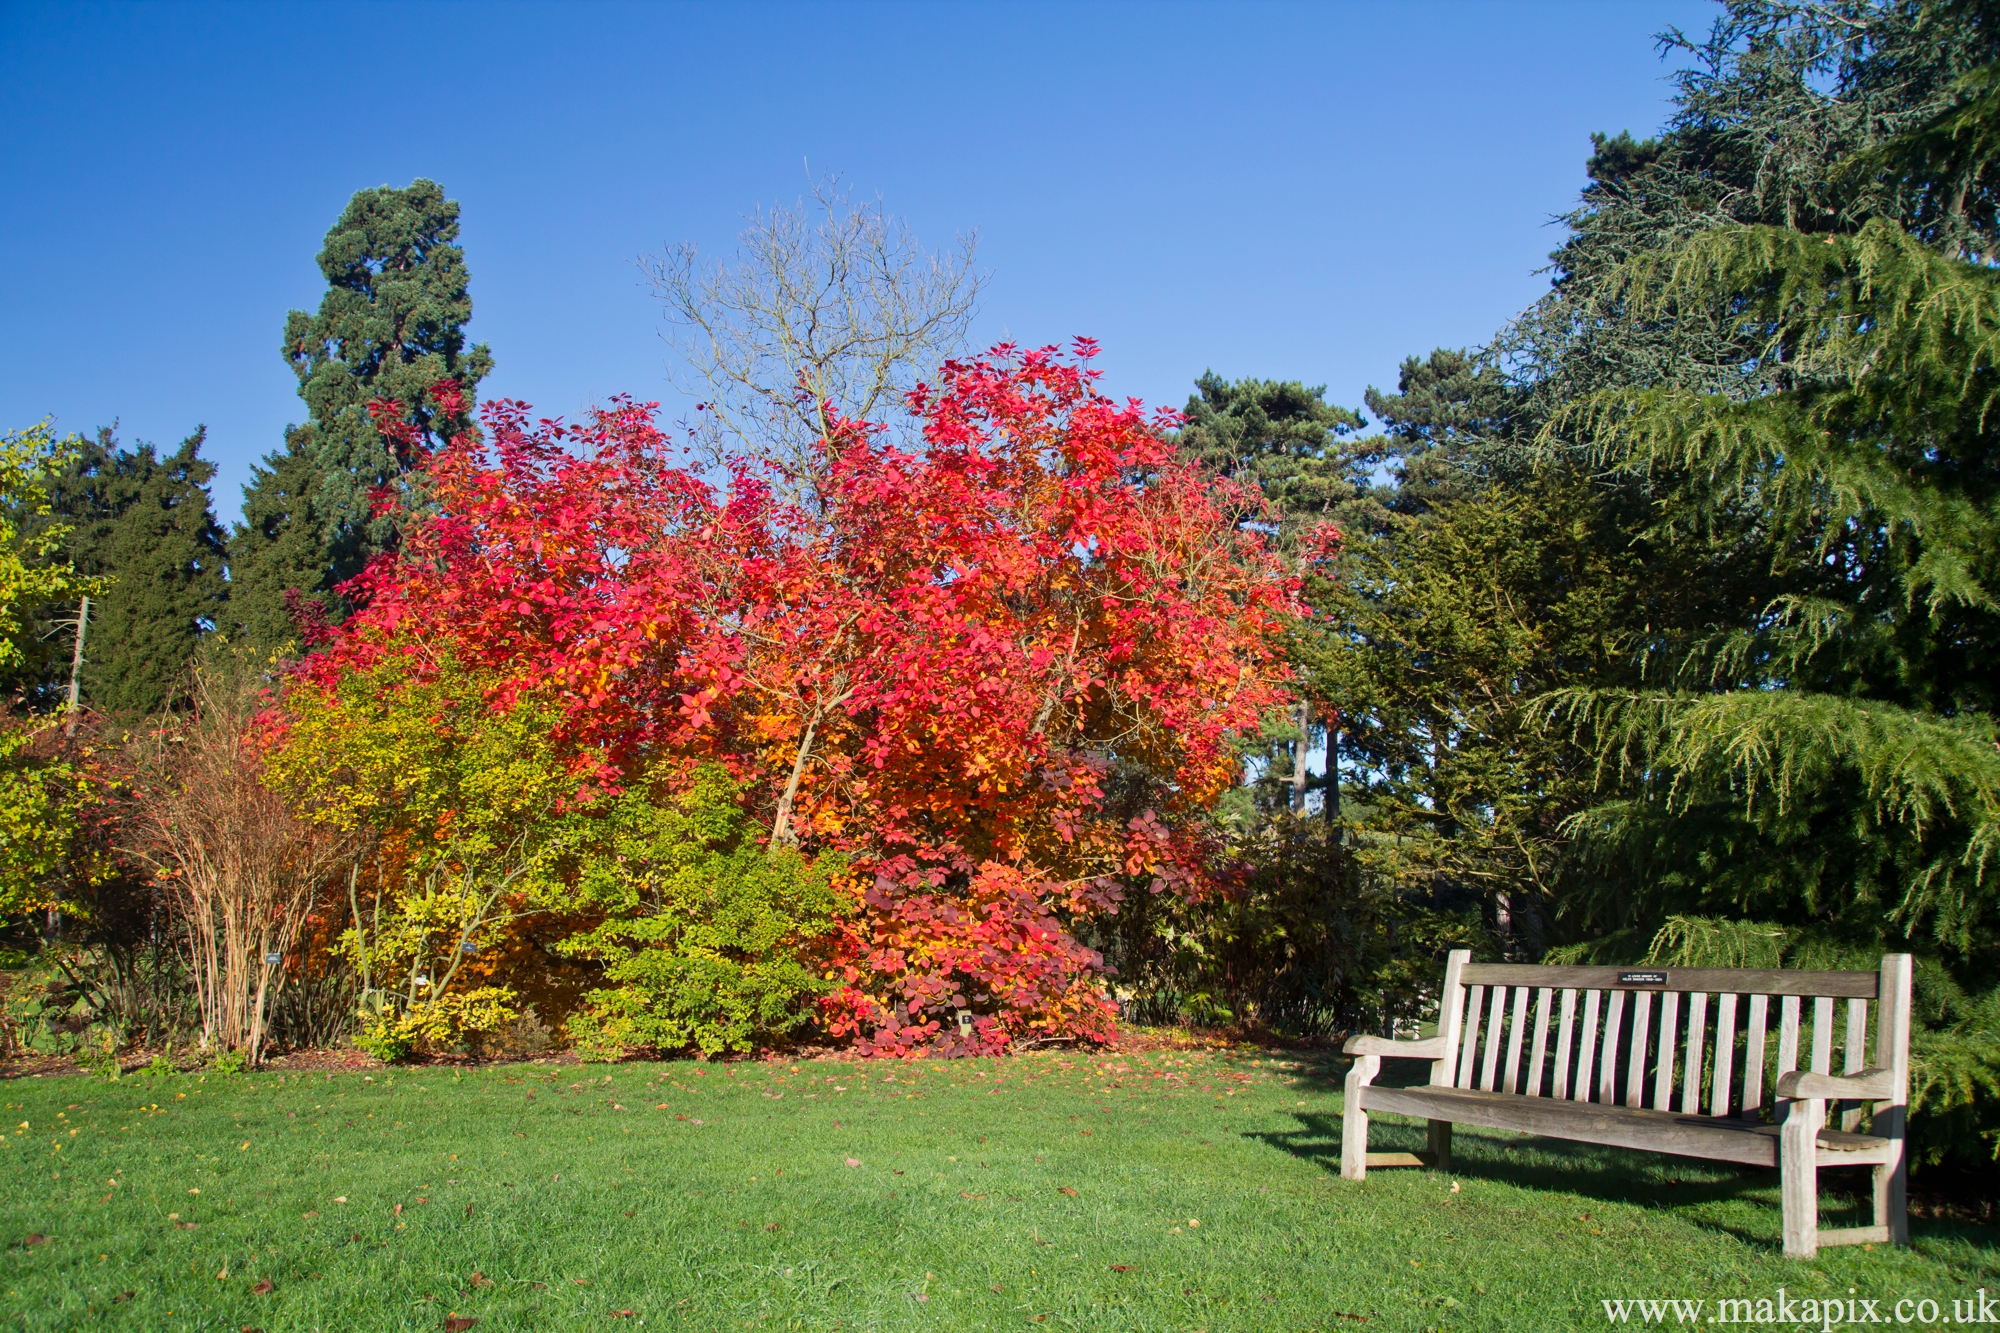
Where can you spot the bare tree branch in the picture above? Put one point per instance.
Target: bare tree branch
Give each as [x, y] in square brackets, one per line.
[829, 303]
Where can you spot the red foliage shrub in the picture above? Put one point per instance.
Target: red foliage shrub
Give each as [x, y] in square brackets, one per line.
[1000, 674]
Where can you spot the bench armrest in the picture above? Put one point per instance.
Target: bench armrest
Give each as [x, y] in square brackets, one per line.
[1868, 1085]
[1430, 1048]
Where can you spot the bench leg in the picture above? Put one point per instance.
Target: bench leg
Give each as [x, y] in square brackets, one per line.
[1798, 1176]
[1354, 1120]
[1440, 1145]
[1891, 1180]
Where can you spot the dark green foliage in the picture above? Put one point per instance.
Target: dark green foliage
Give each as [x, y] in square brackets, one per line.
[145, 522]
[279, 545]
[1279, 438]
[1782, 112]
[391, 326]
[1681, 607]
[709, 941]
[1446, 428]
[1304, 941]
[1283, 441]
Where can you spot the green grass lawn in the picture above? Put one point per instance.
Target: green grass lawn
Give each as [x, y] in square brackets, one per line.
[1163, 1191]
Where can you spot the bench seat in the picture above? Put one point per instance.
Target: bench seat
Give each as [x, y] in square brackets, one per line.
[1713, 1138]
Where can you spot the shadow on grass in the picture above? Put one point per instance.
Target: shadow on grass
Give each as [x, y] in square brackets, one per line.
[1679, 1185]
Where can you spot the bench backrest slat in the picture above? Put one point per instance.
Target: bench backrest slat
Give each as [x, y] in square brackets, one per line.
[1565, 1032]
[1510, 1081]
[1635, 1055]
[1697, 1035]
[1753, 1058]
[1788, 1042]
[1589, 1050]
[1685, 1042]
[1857, 1056]
[1663, 1058]
[1725, 1054]
[1468, 1058]
[1607, 1073]
[1535, 1060]
[1496, 1014]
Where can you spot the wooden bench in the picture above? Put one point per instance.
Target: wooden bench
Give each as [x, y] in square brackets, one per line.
[1671, 1060]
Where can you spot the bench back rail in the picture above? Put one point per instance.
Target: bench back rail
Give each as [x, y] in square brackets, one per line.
[1698, 1041]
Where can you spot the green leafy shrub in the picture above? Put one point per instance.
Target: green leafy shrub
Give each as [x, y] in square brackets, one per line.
[709, 940]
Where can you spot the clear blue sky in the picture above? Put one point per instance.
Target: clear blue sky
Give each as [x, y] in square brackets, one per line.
[1310, 191]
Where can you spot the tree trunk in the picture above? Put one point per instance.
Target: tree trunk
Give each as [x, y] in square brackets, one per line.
[76, 666]
[781, 827]
[1302, 715]
[1332, 788]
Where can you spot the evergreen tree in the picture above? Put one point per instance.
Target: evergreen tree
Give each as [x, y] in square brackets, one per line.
[1677, 643]
[1283, 440]
[391, 326]
[1280, 438]
[146, 523]
[280, 545]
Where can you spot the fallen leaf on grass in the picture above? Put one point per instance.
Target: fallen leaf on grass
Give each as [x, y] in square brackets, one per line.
[122, 1297]
[996, 1286]
[35, 1238]
[661, 1107]
[1121, 1268]
[854, 1161]
[263, 1288]
[768, 1226]
[963, 1195]
[312, 1213]
[1357, 1318]
[458, 1323]
[1064, 1189]
[621, 1314]
[628, 1212]
[468, 1210]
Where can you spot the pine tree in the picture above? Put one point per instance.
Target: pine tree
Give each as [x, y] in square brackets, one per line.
[147, 523]
[392, 325]
[1278, 437]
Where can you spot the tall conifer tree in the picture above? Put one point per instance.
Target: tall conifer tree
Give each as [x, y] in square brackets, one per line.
[148, 523]
[391, 325]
